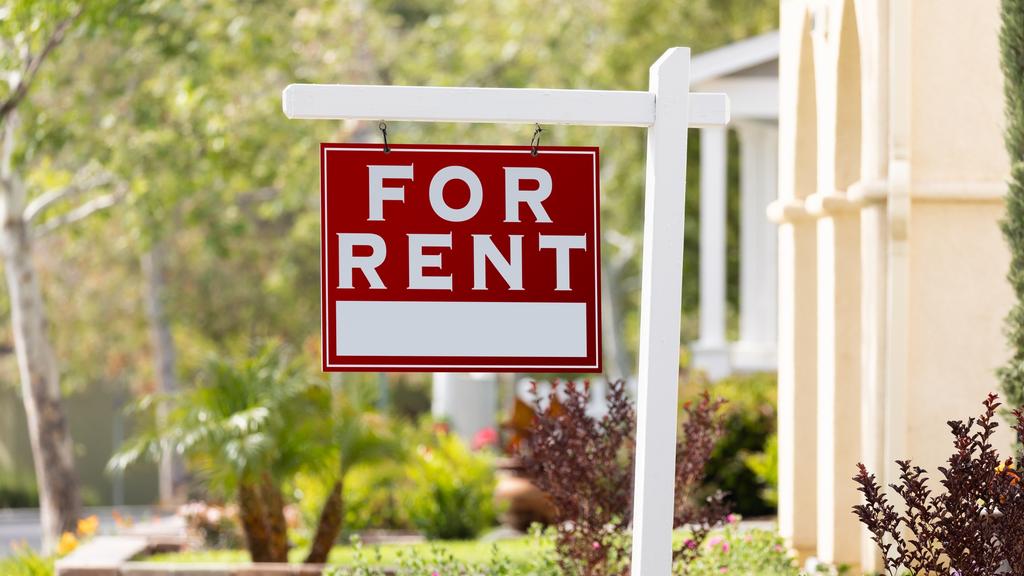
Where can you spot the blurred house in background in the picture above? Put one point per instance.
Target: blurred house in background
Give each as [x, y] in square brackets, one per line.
[892, 267]
[748, 71]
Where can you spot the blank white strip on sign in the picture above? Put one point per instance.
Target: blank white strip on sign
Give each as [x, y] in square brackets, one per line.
[534, 329]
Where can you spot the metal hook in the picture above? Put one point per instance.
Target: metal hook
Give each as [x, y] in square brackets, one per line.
[535, 141]
[383, 126]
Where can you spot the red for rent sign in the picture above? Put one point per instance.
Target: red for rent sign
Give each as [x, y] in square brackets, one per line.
[460, 258]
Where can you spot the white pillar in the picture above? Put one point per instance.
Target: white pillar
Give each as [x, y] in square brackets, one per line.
[468, 402]
[839, 382]
[756, 348]
[711, 352]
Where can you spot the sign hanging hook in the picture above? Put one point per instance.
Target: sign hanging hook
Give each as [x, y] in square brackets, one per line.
[383, 126]
[535, 141]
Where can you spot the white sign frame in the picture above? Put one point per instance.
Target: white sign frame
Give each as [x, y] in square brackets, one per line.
[667, 110]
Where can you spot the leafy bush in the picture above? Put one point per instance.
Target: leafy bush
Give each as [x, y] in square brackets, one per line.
[25, 562]
[252, 424]
[451, 495]
[749, 417]
[371, 496]
[765, 466]
[735, 551]
[1011, 40]
[18, 491]
[974, 527]
[585, 465]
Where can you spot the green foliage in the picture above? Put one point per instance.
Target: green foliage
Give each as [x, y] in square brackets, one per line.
[766, 466]
[248, 415]
[749, 423]
[733, 550]
[1012, 44]
[372, 498]
[451, 492]
[738, 551]
[24, 562]
[18, 491]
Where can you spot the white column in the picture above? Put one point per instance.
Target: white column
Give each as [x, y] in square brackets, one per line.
[839, 382]
[756, 348]
[467, 401]
[711, 352]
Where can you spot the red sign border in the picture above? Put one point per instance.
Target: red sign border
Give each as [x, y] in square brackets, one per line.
[586, 365]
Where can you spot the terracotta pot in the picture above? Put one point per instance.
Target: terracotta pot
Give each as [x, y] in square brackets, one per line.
[522, 502]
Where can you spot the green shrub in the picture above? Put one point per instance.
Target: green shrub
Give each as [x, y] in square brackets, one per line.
[25, 562]
[737, 551]
[1011, 40]
[371, 496]
[766, 466]
[749, 423]
[452, 489]
[18, 491]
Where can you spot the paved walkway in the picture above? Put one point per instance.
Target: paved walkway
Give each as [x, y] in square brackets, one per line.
[21, 525]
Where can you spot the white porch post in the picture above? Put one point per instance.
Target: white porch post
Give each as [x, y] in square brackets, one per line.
[756, 348]
[711, 352]
[467, 401]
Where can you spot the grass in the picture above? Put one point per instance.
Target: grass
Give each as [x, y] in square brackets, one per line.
[516, 550]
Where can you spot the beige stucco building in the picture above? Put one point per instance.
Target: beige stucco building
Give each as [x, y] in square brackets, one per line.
[891, 267]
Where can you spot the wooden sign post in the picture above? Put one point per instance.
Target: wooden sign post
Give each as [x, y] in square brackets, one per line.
[667, 110]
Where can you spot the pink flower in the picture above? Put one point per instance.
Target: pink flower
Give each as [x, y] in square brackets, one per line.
[714, 541]
[485, 438]
[725, 546]
[723, 569]
[690, 544]
[596, 545]
[732, 518]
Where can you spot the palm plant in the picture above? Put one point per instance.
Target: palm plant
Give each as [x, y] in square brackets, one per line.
[357, 437]
[250, 424]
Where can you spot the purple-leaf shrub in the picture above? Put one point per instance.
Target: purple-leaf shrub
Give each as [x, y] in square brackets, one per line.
[974, 527]
[585, 466]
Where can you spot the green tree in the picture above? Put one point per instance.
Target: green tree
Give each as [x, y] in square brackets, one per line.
[252, 424]
[1011, 40]
[30, 33]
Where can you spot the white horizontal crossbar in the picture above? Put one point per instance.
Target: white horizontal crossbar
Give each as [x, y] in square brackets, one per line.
[490, 105]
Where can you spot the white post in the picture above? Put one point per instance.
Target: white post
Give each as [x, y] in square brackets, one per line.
[756, 348]
[710, 352]
[661, 291]
[468, 401]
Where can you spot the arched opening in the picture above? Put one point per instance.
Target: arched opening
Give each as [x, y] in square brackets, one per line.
[848, 101]
[805, 177]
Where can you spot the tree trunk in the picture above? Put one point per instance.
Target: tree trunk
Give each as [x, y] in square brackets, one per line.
[59, 501]
[276, 524]
[331, 518]
[172, 481]
[253, 517]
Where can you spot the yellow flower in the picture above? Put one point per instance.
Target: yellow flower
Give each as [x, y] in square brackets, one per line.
[68, 542]
[88, 526]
